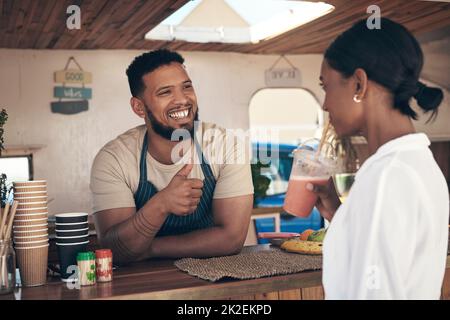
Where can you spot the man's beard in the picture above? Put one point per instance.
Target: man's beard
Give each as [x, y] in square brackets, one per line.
[166, 131]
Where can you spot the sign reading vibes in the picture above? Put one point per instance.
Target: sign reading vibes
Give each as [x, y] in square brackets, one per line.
[72, 92]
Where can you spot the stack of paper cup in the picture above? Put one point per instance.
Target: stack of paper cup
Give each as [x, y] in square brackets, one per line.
[30, 231]
[72, 237]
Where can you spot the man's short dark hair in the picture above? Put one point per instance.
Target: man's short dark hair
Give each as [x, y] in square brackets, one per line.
[146, 63]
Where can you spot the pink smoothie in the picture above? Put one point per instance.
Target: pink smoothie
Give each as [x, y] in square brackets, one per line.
[300, 201]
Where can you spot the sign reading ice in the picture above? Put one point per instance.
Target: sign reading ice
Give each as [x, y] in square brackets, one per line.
[283, 77]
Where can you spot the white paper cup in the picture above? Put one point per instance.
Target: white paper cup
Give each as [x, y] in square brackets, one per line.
[30, 233]
[36, 216]
[30, 227]
[16, 236]
[31, 199]
[32, 210]
[27, 215]
[32, 263]
[29, 183]
[30, 222]
[32, 247]
[30, 243]
[30, 194]
[41, 188]
[32, 205]
[25, 240]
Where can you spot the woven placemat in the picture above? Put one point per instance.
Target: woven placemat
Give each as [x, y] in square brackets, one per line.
[249, 265]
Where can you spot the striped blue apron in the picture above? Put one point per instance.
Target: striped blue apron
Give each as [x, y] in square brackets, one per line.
[173, 225]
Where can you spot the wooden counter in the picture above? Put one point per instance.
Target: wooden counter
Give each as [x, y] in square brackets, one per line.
[160, 279]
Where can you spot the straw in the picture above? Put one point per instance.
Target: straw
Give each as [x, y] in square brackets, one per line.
[11, 218]
[7, 231]
[2, 224]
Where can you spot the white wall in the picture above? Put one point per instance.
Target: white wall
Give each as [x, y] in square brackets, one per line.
[224, 83]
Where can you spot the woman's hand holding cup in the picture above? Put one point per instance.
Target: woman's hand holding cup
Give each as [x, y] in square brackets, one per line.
[328, 199]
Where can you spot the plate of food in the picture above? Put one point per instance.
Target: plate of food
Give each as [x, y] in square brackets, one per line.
[309, 242]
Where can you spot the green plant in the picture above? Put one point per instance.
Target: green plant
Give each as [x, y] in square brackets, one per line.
[3, 118]
[260, 182]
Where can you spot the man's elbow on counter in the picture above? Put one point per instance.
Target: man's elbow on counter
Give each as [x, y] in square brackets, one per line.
[118, 258]
[235, 244]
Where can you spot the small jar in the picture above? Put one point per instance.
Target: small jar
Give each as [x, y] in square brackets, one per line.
[86, 268]
[104, 265]
[7, 267]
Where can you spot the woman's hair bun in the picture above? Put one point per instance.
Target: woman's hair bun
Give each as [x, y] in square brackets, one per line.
[428, 98]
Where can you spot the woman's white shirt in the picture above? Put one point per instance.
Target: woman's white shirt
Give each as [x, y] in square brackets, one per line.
[389, 238]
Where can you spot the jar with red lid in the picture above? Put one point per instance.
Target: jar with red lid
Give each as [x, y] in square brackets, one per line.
[104, 265]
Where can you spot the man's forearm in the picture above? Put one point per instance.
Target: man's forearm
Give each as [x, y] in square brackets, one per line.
[133, 237]
[215, 241]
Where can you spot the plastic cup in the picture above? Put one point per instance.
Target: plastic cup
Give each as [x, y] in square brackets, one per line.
[308, 166]
[343, 183]
[72, 217]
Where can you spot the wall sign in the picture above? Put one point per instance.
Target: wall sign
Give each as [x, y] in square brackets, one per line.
[73, 76]
[283, 77]
[80, 94]
[72, 92]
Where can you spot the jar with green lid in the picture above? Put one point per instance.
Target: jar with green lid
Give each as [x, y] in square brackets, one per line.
[86, 268]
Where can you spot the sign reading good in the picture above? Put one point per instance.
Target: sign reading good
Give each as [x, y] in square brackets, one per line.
[76, 97]
[73, 76]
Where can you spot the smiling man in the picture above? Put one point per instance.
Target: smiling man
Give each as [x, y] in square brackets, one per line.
[151, 198]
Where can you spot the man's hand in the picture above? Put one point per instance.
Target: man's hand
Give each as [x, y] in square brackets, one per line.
[182, 195]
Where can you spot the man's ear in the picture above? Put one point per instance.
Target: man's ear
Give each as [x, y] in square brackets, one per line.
[138, 107]
[361, 81]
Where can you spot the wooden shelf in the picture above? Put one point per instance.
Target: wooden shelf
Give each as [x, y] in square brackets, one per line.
[18, 150]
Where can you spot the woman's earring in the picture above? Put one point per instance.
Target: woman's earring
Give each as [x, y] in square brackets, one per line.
[356, 99]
